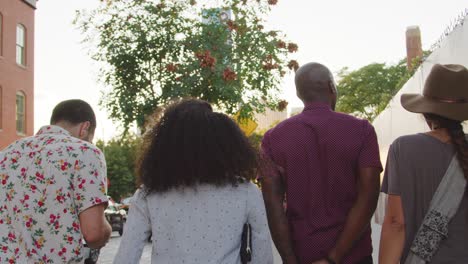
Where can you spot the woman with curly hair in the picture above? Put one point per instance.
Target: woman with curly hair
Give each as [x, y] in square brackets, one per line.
[196, 192]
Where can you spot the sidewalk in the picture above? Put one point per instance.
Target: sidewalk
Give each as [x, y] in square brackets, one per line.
[110, 250]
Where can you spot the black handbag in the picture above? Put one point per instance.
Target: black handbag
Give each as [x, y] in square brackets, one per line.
[93, 256]
[246, 244]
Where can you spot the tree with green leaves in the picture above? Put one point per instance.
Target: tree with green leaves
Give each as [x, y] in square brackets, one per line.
[121, 154]
[154, 51]
[366, 92]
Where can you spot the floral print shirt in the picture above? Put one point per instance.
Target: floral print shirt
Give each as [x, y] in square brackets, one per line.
[46, 181]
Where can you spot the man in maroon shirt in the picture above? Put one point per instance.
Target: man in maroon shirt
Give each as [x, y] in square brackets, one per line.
[327, 164]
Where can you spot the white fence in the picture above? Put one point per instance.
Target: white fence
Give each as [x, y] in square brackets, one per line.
[395, 121]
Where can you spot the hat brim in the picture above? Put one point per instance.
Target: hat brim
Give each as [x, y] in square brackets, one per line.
[417, 103]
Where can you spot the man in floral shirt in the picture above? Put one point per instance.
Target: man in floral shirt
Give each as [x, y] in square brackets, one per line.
[53, 191]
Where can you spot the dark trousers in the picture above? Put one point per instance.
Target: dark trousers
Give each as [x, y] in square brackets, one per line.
[366, 260]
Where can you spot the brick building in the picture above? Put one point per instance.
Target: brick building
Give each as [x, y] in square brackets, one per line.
[16, 70]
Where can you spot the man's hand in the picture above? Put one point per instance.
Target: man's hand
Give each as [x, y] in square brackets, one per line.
[273, 189]
[359, 217]
[94, 226]
[322, 261]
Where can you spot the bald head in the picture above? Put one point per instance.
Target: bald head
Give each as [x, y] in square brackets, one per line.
[314, 83]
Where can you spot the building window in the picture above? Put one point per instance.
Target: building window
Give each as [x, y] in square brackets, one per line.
[20, 113]
[1, 35]
[1, 108]
[21, 45]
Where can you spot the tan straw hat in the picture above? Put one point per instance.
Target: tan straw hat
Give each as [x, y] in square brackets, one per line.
[445, 93]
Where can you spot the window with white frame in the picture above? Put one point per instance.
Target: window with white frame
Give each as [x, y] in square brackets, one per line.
[1, 108]
[1, 34]
[21, 45]
[20, 113]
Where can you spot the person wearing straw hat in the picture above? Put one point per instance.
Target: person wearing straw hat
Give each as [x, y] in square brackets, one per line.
[426, 220]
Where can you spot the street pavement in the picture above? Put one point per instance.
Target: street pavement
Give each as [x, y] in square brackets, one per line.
[110, 250]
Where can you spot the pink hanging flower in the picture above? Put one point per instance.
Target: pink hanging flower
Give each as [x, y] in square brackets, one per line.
[171, 67]
[292, 47]
[232, 25]
[293, 65]
[281, 44]
[229, 75]
[282, 105]
[206, 60]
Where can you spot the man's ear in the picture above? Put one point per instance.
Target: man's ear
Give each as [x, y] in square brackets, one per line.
[332, 87]
[84, 129]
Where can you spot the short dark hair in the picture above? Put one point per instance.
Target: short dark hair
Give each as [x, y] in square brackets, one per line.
[313, 82]
[74, 111]
[191, 145]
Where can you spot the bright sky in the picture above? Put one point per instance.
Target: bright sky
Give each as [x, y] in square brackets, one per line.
[337, 33]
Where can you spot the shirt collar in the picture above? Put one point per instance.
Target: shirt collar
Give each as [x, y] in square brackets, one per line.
[51, 129]
[317, 106]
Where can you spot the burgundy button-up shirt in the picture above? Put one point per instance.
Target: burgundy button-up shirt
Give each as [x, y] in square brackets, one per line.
[320, 151]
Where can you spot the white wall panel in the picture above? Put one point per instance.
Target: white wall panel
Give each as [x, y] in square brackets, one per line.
[395, 121]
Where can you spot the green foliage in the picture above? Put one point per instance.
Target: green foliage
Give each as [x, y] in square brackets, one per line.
[367, 91]
[121, 154]
[256, 139]
[156, 50]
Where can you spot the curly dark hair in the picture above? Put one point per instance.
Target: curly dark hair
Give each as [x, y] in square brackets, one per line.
[458, 138]
[190, 145]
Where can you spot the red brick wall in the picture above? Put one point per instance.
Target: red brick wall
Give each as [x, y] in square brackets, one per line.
[413, 45]
[14, 78]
